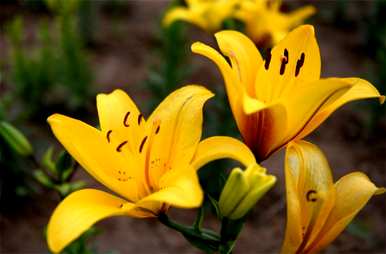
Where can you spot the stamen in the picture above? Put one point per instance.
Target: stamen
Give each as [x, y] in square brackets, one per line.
[268, 59]
[140, 116]
[299, 64]
[125, 123]
[108, 135]
[284, 61]
[120, 146]
[308, 196]
[142, 144]
[157, 130]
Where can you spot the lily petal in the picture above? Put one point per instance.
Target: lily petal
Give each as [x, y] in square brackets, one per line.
[119, 115]
[93, 152]
[178, 188]
[311, 194]
[179, 131]
[231, 81]
[353, 191]
[244, 56]
[300, 51]
[80, 210]
[302, 106]
[219, 147]
[184, 14]
[361, 89]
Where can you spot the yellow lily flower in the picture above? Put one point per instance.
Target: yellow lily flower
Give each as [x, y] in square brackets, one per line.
[151, 164]
[206, 14]
[317, 209]
[281, 98]
[263, 19]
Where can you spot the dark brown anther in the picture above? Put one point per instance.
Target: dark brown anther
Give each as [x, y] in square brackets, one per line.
[299, 64]
[120, 146]
[284, 61]
[268, 59]
[125, 123]
[157, 130]
[142, 144]
[309, 196]
[108, 135]
[140, 116]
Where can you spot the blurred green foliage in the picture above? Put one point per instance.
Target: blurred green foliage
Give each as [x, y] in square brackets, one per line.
[56, 72]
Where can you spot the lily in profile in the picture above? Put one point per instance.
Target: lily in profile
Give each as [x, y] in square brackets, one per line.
[264, 22]
[206, 14]
[151, 164]
[281, 98]
[317, 209]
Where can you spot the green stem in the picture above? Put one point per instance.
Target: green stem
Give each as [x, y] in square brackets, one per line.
[205, 239]
[199, 219]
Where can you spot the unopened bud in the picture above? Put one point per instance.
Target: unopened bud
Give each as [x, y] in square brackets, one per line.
[15, 139]
[254, 185]
[234, 190]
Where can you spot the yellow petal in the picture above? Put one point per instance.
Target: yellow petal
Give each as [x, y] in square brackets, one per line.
[231, 81]
[183, 14]
[219, 147]
[296, 17]
[263, 131]
[121, 121]
[179, 131]
[310, 192]
[244, 56]
[274, 79]
[303, 105]
[353, 191]
[80, 210]
[179, 187]
[93, 152]
[361, 89]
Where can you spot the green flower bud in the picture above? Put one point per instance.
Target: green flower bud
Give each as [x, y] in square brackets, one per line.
[15, 139]
[243, 189]
[234, 190]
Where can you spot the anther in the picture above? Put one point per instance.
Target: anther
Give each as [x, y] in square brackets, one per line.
[157, 130]
[309, 196]
[108, 135]
[299, 64]
[142, 144]
[140, 116]
[120, 146]
[268, 59]
[284, 61]
[125, 123]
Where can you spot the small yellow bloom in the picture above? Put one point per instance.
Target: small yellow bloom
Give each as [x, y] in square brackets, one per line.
[281, 98]
[317, 209]
[243, 189]
[151, 164]
[206, 14]
[263, 19]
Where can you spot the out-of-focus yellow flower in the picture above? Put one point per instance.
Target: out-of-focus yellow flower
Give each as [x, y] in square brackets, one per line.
[207, 14]
[150, 163]
[317, 209]
[243, 189]
[263, 19]
[281, 98]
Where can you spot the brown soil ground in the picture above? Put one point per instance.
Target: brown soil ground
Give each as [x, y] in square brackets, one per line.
[121, 60]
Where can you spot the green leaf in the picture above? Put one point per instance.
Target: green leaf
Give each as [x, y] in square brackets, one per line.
[48, 162]
[15, 139]
[63, 163]
[42, 178]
